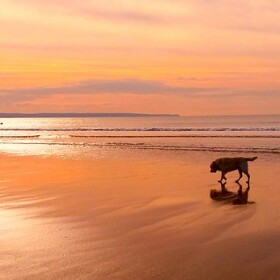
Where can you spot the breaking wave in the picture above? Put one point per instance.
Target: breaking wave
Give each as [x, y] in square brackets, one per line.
[149, 129]
[175, 136]
[19, 136]
[146, 146]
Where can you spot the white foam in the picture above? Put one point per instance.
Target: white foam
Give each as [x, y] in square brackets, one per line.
[149, 129]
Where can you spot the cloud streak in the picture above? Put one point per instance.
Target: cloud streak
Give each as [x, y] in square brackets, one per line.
[133, 87]
[124, 86]
[254, 16]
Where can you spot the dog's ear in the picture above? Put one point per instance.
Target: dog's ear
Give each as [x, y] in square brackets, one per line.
[213, 164]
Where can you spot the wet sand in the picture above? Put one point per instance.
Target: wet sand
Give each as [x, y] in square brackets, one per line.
[142, 216]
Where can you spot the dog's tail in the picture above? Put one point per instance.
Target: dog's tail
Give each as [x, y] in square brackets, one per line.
[251, 159]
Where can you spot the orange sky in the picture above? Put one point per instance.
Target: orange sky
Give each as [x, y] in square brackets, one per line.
[194, 57]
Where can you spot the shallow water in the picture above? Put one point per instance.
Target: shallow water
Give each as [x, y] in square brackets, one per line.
[80, 136]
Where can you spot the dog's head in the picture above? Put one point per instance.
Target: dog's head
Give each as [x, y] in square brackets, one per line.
[214, 167]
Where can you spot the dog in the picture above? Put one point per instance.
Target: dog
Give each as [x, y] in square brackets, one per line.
[226, 165]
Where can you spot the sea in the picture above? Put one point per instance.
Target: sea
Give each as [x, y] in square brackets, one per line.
[92, 136]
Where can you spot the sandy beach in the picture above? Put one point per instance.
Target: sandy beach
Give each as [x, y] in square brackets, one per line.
[139, 216]
[111, 113]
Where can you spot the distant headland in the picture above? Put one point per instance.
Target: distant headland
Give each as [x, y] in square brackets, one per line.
[81, 115]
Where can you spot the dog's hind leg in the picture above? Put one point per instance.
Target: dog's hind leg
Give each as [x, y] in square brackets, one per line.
[248, 175]
[240, 175]
[244, 169]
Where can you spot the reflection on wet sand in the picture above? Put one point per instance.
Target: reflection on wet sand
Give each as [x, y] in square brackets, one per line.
[239, 197]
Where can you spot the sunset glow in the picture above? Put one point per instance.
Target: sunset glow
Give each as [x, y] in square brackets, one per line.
[192, 57]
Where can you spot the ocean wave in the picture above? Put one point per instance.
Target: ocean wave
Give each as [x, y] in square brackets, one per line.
[145, 146]
[19, 136]
[135, 136]
[174, 136]
[148, 129]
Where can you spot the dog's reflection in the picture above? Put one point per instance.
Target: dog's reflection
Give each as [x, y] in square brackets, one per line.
[239, 197]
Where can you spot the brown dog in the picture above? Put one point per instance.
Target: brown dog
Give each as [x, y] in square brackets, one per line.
[226, 165]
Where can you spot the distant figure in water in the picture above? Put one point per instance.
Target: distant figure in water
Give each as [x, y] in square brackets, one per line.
[241, 197]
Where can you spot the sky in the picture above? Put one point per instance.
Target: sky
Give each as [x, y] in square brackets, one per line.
[188, 57]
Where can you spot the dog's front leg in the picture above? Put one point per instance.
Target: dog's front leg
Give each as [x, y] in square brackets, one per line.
[222, 177]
